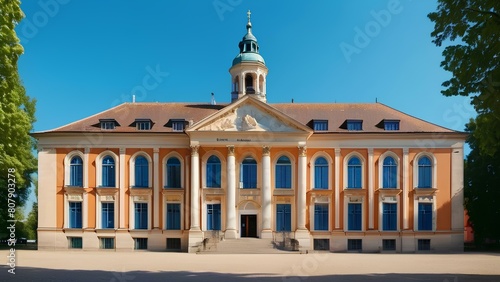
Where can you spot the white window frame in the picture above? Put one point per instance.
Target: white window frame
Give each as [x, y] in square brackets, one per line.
[238, 170]
[381, 169]
[74, 198]
[354, 200]
[390, 199]
[312, 166]
[165, 215]
[98, 162]
[346, 170]
[293, 167]
[99, 201]
[434, 169]
[320, 200]
[164, 169]
[132, 169]
[67, 168]
[429, 200]
[139, 199]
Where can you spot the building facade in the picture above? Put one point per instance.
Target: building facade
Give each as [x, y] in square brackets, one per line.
[164, 176]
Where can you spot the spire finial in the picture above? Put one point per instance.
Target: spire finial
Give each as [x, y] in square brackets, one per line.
[248, 15]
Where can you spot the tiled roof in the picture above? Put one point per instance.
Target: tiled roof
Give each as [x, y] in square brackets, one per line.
[336, 114]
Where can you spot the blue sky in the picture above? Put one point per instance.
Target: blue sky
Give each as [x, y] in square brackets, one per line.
[83, 57]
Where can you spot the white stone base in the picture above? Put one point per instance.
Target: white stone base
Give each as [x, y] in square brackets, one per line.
[304, 238]
[195, 240]
[230, 234]
[266, 234]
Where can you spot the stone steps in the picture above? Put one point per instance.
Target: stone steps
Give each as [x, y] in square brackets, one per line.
[242, 246]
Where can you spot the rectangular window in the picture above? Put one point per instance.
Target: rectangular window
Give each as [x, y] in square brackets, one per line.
[173, 216]
[321, 244]
[141, 215]
[389, 216]
[425, 216]
[355, 125]
[75, 242]
[213, 217]
[108, 215]
[140, 243]
[107, 125]
[321, 217]
[178, 125]
[354, 216]
[320, 125]
[283, 217]
[424, 244]
[107, 243]
[354, 245]
[389, 244]
[391, 125]
[143, 125]
[173, 244]
[75, 215]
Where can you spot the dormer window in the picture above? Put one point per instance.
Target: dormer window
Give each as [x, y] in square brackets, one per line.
[391, 124]
[143, 124]
[354, 125]
[320, 125]
[177, 125]
[108, 124]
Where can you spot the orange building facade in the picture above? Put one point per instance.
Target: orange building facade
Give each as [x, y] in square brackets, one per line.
[165, 176]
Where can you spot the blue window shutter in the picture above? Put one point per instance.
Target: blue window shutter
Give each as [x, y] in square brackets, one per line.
[425, 216]
[389, 216]
[76, 172]
[283, 217]
[354, 216]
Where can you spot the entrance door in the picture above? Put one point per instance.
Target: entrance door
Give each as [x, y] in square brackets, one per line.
[248, 225]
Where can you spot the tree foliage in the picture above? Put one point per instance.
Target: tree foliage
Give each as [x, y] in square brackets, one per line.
[474, 60]
[17, 112]
[482, 191]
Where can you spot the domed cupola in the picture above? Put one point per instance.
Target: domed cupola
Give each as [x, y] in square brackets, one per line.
[249, 69]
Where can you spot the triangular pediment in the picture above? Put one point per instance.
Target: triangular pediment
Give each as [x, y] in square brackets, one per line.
[249, 114]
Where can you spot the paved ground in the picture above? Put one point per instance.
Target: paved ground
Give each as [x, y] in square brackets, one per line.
[156, 266]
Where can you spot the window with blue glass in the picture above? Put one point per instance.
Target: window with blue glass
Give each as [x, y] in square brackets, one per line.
[76, 172]
[389, 173]
[320, 125]
[354, 216]
[213, 172]
[141, 215]
[173, 216]
[389, 216]
[424, 216]
[391, 125]
[173, 173]
[108, 172]
[75, 215]
[283, 177]
[213, 217]
[283, 217]
[141, 172]
[321, 217]
[424, 172]
[354, 173]
[248, 173]
[321, 173]
[108, 215]
[354, 125]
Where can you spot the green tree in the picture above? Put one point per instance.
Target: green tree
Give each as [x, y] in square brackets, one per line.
[482, 193]
[471, 31]
[17, 114]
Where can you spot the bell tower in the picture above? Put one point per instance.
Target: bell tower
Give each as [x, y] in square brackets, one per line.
[249, 71]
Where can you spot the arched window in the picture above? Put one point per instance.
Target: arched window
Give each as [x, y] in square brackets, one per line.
[354, 173]
[248, 173]
[173, 173]
[76, 172]
[108, 172]
[283, 177]
[390, 173]
[321, 173]
[424, 172]
[141, 172]
[249, 84]
[213, 172]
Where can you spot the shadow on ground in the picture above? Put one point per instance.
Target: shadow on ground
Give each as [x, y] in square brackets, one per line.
[53, 275]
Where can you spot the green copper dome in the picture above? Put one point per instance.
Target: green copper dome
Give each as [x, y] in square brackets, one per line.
[249, 48]
[248, 57]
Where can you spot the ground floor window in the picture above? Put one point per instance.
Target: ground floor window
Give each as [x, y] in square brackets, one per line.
[141, 243]
[389, 216]
[322, 244]
[108, 215]
[213, 217]
[425, 216]
[354, 245]
[173, 216]
[141, 215]
[424, 244]
[389, 244]
[283, 217]
[354, 217]
[75, 215]
[174, 244]
[75, 242]
[321, 217]
[107, 243]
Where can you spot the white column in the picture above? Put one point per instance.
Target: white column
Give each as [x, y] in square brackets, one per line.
[122, 188]
[266, 193]
[195, 188]
[231, 194]
[301, 189]
[156, 189]
[86, 152]
[457, 189]
[187, 197]
[406, 184]
[337, 188]
[371, 192]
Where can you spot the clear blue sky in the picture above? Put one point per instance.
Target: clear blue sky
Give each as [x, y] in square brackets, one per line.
[83, 57]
